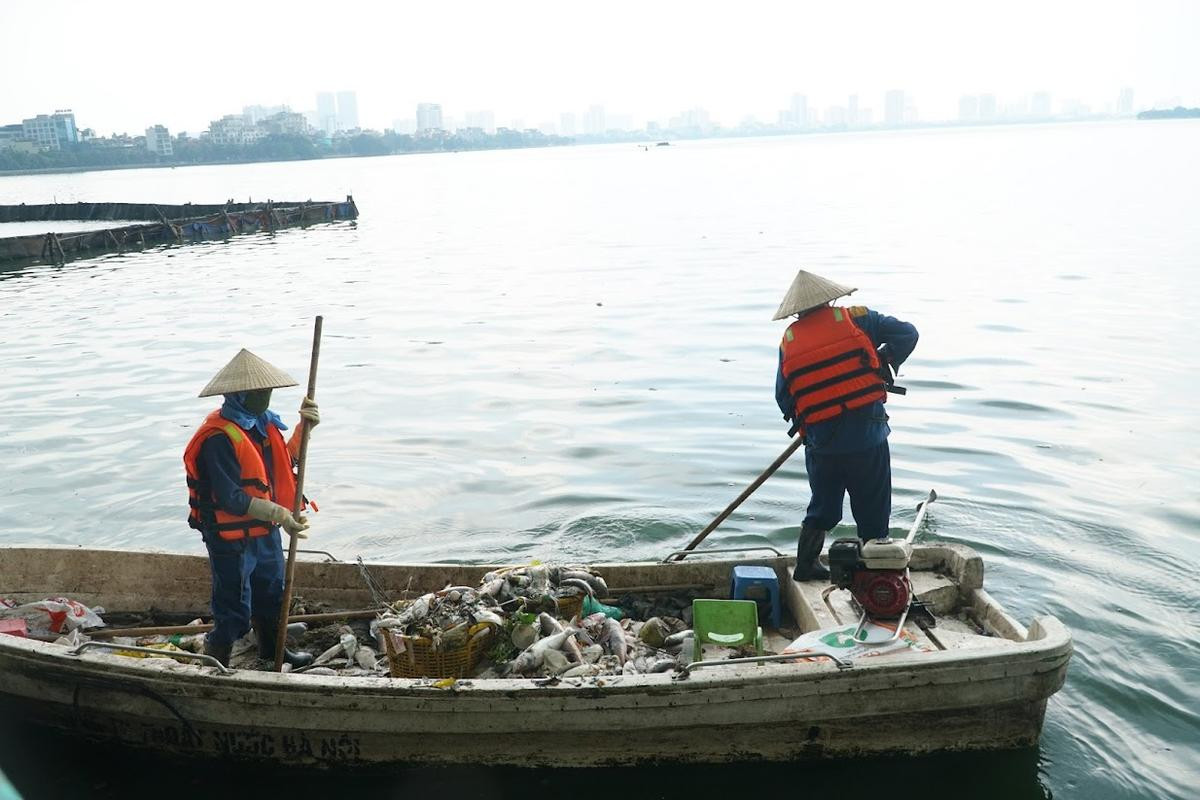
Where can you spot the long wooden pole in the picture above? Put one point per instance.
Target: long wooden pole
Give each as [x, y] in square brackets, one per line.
[298, 505]
[712, 526]
[167, 630]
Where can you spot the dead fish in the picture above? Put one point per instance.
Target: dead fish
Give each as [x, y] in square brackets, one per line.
[613, 639]
[676, 639]
[365, 657]
[579, 584]
[597, 584]
[555, 662]
[485, 615]
[348, 641]
[594, 624]
[582, 671]
[492, 588]
[592, 653]
[662, 665]
[416, 611]
[549, 624]
[317, 671]
[571, 648]
[532, 657]
[329, 654]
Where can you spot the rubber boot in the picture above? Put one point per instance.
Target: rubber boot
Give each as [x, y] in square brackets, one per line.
[265, 633]
[219, 652]
[808, 551]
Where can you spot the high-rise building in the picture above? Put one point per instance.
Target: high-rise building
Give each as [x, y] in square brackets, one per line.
[51, 131]
[484, 120]
[852, 111]
[796, 114]
[987, 107]
[1125, 101]
[158, 141]
[234, 130]
[285, 123]
[347, 111]
[566, 123]
[1040, 106]
[893, 107]
[694, 120]
[429, 117]
[326, 112]
[836, 116]
[968, 108]
[594, 122]
[256, 114]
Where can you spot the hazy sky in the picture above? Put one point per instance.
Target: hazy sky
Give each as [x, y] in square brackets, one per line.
[124, 65]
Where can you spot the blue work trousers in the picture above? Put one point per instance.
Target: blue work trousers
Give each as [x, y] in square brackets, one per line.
[866, 475]
[247, 581]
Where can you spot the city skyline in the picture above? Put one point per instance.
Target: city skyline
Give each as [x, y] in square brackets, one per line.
[638, 63]
[337, 112]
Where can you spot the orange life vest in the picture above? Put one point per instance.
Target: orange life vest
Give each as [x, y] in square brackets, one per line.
[829, 365]
[204, 512]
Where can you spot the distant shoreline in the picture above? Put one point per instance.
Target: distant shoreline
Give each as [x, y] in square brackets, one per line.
[632, 139]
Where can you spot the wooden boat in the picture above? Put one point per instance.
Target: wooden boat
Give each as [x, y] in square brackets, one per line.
[983, 686]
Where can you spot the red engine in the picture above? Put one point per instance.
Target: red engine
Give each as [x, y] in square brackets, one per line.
[883, 593]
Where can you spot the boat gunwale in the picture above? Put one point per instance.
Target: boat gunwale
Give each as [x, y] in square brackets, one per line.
[1051, 649]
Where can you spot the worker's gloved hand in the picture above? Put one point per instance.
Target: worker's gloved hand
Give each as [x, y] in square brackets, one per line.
[309, 413]
[273, 512]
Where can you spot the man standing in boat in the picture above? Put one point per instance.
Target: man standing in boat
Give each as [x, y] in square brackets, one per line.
[830, 386]
[241, 489]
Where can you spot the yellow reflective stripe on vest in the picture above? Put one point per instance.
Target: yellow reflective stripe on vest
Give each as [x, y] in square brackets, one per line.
[837, 314]
[233, 431]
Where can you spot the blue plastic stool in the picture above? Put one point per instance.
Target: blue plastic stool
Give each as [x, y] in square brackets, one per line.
[746, 577]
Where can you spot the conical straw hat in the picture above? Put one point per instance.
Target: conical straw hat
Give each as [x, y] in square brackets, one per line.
[809, 291]
[246, 373]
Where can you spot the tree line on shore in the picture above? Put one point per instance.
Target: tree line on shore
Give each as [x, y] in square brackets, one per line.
[277, 147]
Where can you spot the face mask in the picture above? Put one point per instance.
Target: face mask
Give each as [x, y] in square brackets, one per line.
[256, 402]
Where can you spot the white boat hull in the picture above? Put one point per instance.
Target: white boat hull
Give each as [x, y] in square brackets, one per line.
[914, 703]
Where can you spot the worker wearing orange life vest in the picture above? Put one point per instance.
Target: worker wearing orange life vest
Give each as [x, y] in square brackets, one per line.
[829, 386]
[241, 490]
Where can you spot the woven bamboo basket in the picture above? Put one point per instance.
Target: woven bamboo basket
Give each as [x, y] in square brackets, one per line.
[414, 656]
[569, 606]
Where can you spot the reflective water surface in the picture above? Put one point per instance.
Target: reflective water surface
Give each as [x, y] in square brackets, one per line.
[569, 353]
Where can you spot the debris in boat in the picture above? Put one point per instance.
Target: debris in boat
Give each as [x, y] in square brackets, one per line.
[52, 615]
[839, 641]
[538, 621]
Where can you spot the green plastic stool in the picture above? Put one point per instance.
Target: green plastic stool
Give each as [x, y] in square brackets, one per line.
[729, 623]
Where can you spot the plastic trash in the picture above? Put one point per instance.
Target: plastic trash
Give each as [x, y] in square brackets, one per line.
[591, 606]
[52, 615]
[14, 627]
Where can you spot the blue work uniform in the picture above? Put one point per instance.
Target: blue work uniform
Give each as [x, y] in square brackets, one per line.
[247, 573]
[849, 453]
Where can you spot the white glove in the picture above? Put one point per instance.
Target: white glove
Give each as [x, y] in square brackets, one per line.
[273, 512]
[309, 413]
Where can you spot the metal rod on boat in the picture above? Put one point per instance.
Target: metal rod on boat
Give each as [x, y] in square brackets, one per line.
[298, 505]
[784, 456]
[168, 630]
[922, 507]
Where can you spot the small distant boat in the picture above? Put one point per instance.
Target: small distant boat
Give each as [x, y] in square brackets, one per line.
[980, 680]
[663, 144]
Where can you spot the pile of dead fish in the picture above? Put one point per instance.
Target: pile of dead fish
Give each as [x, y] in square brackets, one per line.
[446, 617]
[593, 646]
[539, 587]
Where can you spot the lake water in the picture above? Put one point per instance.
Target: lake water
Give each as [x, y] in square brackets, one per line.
[569, 354]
